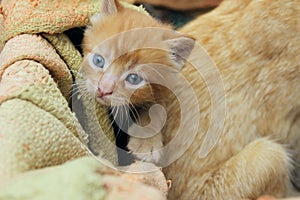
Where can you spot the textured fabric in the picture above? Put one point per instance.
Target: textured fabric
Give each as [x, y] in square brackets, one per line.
[37, 127]
[46, 16]
[81, 179]
[33, 47]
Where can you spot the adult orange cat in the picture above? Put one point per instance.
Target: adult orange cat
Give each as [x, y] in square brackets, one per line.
[255, 45]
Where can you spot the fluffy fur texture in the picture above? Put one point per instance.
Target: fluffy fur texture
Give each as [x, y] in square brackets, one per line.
[255, 45]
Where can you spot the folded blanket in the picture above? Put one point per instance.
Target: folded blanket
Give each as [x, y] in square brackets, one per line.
[77, 180]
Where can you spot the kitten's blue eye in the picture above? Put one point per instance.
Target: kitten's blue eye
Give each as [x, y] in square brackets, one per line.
[134, 79]
[98, 60]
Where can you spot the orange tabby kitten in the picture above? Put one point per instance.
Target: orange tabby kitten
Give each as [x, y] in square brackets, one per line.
[255, 45]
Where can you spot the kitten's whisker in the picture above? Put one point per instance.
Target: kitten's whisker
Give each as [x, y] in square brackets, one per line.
[130, 106]
[111, 114]
[118, 133]
[122, 120]
[74, 94]
[125, 119]
[135, 113]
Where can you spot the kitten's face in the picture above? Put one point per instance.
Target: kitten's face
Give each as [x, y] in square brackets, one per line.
[125, 52]
[125, 80]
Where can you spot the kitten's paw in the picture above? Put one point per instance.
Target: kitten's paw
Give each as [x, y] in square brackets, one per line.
[146, 150]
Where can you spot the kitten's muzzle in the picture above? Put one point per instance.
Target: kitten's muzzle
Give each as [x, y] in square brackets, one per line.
[106, 85]
[103, 93]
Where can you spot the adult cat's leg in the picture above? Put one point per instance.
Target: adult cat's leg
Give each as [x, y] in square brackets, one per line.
[262, 167]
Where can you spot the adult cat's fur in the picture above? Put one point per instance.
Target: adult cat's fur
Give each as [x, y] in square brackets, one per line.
[255, 45]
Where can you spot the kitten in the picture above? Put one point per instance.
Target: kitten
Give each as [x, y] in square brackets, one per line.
[255, 45]
[117, 69]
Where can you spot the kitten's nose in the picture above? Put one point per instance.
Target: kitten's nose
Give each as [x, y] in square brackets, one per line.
[104, 93]
[106, 85]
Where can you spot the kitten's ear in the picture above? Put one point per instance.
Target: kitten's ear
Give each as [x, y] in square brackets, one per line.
[180, 47]
[110, 7]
